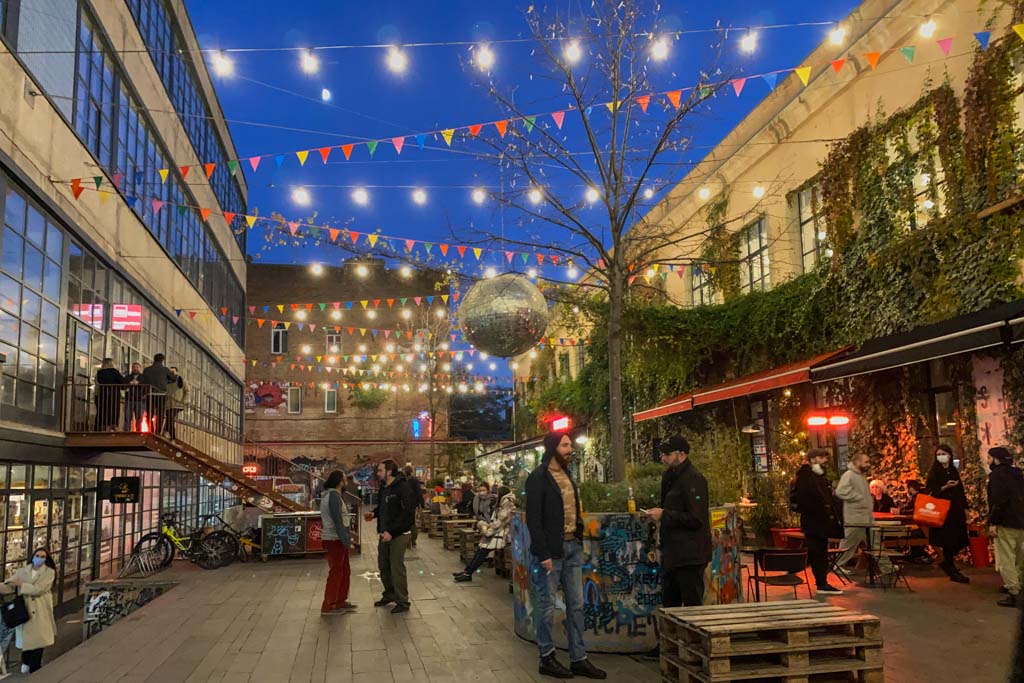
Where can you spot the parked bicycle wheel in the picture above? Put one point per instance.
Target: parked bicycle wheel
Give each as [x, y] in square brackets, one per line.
[215, 550]
[156, 544]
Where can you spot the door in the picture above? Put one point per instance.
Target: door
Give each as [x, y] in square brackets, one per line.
[79, 374]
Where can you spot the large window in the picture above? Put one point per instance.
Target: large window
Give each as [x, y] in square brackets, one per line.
[30, 290]
[294, 400]
[812, 231]
[330, 400]
[279, 339]
[754, 258]
[334, 344]
[702, 295]
[117, 130]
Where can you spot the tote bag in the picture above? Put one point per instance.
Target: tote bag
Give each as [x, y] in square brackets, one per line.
[15, 612]
[930, 511]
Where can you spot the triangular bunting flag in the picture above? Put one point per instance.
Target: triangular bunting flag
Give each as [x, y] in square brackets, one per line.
[837, 64]
[372, 147]
[372, 239]
[872, 58]
[347, 150]
[164, 172]
[354, 236]
[229, 216]
[475, 129]
[462, 251]
[409, 244]
[737, 85]
[184, 171]
[476, 252]
[502, 126]
[398, 143]
[558, 117]
[76, 187]
[177, 312]
[421, 139]
[334, 232]
[1019, 30]
[908, 52]
[250, 220]
[804, 73]
[279, 160]
[302, 155]
[675, 97]
[192, 315]
[293, 227]
[104, 196]
[529, 122]
[983, 37]
[157, 205]
[117, 180]
[443, 248]
[205, 213]
[254, 162]
[643, 101]
[447, 134]
[232, 166]
[280, 308]
[324, 153]
[945, 44]
[771, 80]
[209, 169]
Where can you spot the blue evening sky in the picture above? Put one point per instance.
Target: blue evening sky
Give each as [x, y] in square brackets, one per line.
[441, 90]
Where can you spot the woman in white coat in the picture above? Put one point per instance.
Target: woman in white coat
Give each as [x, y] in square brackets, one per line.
[493, 534]
[34, 582]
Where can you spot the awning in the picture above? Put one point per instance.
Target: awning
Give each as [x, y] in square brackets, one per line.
[776, 378]
[992, 327]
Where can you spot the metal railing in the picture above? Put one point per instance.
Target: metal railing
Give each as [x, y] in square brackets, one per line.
[92, 408]
[288, 478]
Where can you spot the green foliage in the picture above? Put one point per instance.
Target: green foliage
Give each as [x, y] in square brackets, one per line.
[1013, 396]
[599, 497]
[367, 399]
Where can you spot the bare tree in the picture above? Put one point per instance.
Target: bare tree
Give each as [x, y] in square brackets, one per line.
[633, 136]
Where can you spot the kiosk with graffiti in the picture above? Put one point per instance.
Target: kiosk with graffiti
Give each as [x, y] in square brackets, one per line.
[622, 579]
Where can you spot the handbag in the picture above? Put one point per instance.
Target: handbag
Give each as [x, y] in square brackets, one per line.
[930, 511]
[15, 612]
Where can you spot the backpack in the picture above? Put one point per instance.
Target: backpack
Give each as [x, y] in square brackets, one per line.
[794, 506]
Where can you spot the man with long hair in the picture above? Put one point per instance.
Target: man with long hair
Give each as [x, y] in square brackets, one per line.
[554, 518]
[396, 516]
[337, 541]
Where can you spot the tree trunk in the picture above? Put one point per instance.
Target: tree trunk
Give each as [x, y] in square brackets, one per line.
[616, 432]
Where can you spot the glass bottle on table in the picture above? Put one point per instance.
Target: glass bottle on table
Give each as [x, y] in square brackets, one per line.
[631, 502]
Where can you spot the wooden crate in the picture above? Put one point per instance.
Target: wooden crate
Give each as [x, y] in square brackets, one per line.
[792, 641]
[468, 538]
[434, 522]
[422, 518]
[451, 529]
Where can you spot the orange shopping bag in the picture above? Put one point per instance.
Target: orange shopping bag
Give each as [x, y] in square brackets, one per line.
[930, 511]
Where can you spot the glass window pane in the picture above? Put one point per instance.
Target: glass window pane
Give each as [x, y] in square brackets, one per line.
[10, 294]
[47, 376]
[48, 347]
[17, 546]
[10, 259]
[45, 401]
[33, 268]
[54, 242]
[30, 307]
[18, 476]
[41, 480]
[29, 339]
[36, 226]
[50, 321]
[9, 332]
[14, 211]
[51, 280]
[75, 479]
[25, 396]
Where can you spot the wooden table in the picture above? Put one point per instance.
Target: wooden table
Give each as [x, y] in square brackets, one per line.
[450, 531]
[788, 640]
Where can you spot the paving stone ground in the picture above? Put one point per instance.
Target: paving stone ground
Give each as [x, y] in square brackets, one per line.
[260, 623]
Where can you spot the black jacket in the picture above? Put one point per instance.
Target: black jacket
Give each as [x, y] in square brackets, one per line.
[951, 536]
[157, 376]
[1006, 496]
[135, 392]
[884, 504]
[417, 489]
[545, 516]
[685, 517]
[396, 510]
[816, 503]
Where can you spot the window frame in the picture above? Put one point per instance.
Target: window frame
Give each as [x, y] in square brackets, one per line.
[297, 393]
[278, 339]
[700, 287]
[328, 344]
[328, 393]
[810, 256]
[748, 257]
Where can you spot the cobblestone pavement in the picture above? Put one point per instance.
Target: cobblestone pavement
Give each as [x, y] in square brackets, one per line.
[260, 622]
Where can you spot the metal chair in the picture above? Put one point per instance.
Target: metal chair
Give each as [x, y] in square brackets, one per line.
[892, 547]
[787, 566]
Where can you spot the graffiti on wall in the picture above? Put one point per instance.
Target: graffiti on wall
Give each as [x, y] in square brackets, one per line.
[265, 395]
[108, 602]
[622, 579]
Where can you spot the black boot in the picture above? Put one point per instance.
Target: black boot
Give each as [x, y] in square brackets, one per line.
[550, 666]
[587, 670]
[463, 577]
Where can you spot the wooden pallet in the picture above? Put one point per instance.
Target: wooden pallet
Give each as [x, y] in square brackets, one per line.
[789, 641]
[422, 517]
[434, 525]
[451, 529]
[468, 538]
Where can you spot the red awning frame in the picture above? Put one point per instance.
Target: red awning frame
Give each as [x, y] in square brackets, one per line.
[756, 383]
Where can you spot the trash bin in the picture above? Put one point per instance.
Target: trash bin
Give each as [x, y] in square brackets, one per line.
[979, 548]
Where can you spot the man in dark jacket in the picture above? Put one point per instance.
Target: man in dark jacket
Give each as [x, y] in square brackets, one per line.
[157, 376]
[396, 516]
[1006, 520]
[685, 526]
[818, 519]
[135, 399]
[553, 517]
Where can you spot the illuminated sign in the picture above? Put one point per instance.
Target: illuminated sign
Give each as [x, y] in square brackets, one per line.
[126, 317]
[560, 424]
[90, 314]
[250, 469]
[823, 420]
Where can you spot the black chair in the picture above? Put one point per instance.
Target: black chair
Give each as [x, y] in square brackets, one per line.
[782, 568]
[893, 544]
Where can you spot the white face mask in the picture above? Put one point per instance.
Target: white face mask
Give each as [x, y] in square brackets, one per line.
[943, 459]
[817, 469]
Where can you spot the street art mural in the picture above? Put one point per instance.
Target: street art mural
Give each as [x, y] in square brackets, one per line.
[265, 395]
[622, 579]
[107, 602]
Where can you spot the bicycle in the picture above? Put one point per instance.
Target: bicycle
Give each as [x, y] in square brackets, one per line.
[248, 541]
[208, 550]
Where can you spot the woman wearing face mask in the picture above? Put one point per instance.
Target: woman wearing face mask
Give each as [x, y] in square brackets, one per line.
[33, 582]
[944, 482]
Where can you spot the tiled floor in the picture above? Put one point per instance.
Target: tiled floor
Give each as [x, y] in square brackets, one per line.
[260, 622]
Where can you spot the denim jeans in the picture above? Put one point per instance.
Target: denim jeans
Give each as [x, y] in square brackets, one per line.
[133, 410]
[567, 574]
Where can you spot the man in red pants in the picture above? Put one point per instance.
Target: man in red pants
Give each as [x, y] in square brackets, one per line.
[337, 541]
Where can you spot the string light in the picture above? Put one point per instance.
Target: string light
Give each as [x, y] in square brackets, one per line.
[837, 36]
[592, 195]
[336, 315]
[490, 272]
[222, 64]
[362, 271]
[484, 58]
[316, 269]
[748, 43]
[703, 193]
[419, 196]
[325, 95]
[479, 196]
[405, 272]
[928, 29]
[371, 314]
[305, 348]
[532, 273]
[396, 60]
[441, 313]
[535, 196]
[758, 192]
[572, 52]
[573, 272]
[406, 313]
[648, 193]
[360, 196]
[309, 62]
[300, 315]
[659, 49]
[301, 196]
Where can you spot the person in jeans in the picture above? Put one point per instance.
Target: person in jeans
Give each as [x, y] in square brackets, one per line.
[553, 517]
[858, 507]
[157, 376]
[818, 519]
[337, 541]
[1006, 520]
[135, 398]
[493, 534]
[396, 516]
[685, 526]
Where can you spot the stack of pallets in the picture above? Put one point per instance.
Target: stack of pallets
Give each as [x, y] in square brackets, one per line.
[468, 538]
[796, 641]
[434, 525]
[450, 534]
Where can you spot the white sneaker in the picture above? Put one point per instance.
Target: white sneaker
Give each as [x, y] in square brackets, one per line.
[24, 668]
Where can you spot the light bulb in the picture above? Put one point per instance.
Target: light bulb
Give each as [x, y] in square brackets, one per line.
[441, 313]
[336, 315]
[371, 314]
[222, 64]
[484, 58]
[650, 273]
[837, 36]
[492, 366]
[301, 196]
[362, 271]
[659, 49]
[360, 196]
[406, 313]
[446, 367]
[405, 271]
[396, 60]
[703, 193]
[469, 366]
[928, 29]
[483, 355]
[362, 348]
[531, 272]
[648, 193]
[533, 354]
[490, 272]
[419, 196]
[325, 95]
[309, 62]
[748, 43]
[300, 315]
[592, 195]
[572, 52]
[316, 269]
[535, 196]
[573, 272]
[479, 196]
[758, 192]
[305, 348]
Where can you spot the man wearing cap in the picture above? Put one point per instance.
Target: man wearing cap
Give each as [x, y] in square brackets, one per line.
[1006, 520]
[685, 526]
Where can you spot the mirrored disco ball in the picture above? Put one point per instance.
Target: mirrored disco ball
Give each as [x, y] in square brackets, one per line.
[505, 315]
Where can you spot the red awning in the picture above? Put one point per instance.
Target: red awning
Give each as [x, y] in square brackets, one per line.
[776, 378]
